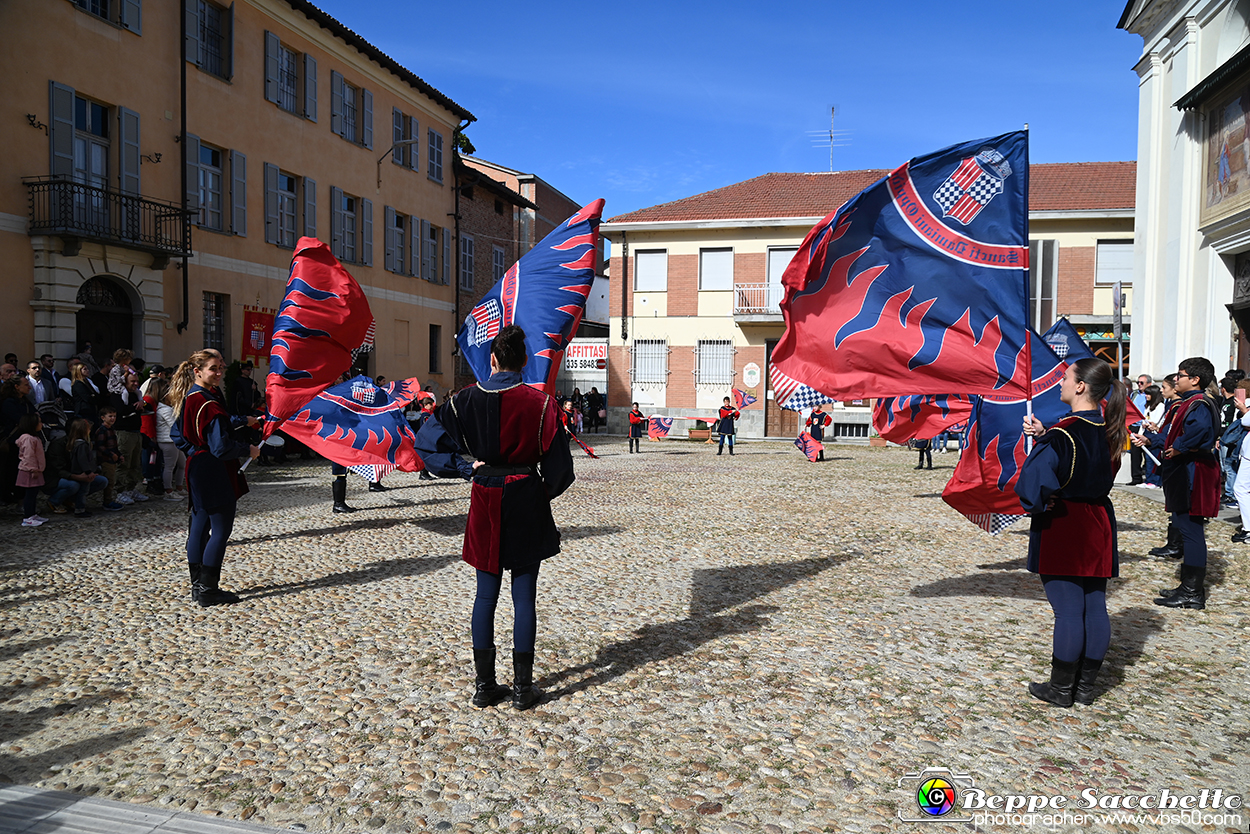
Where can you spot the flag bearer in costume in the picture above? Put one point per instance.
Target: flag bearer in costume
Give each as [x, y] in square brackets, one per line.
[202, 430]
[725, 425]
[1064, 484]
[1153, 436]
[636, 422]
[817, 422]
[1191, 478]
[522, 461]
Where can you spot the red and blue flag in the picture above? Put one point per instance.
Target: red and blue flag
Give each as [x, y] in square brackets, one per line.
[918, 284]
[659, 427]
[809, 445]
[742, 399]
[545, 294]
[323, 320]
[899, 419]
[357, 424]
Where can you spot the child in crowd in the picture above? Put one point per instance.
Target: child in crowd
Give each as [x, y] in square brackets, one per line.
[30, 466]
[84, 468]
[107, 456]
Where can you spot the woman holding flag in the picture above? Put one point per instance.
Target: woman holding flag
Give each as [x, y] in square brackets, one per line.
[201, 430]
[1064, 484]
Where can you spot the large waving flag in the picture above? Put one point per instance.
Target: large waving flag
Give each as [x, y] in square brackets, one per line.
[899, 419]
[545, 294]
[323, 319]
[809, 446]
[917, 284]
[983, 485]
[357, 424]
[659, 427]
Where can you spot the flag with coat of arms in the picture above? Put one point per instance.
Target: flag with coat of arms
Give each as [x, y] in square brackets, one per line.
[918, 284]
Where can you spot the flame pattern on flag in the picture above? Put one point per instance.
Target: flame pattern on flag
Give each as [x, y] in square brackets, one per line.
[355, 423]
[809, 446]
[899, 419]
[742, 399]
[545, 294]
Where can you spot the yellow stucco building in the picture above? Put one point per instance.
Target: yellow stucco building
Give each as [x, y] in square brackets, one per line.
[294, 125]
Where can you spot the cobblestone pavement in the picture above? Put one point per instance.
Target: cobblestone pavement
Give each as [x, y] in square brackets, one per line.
[746, 644]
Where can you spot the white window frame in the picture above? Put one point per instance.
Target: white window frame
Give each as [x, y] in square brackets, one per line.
[714, 362]
[1113, 261]
[1043, 282]
[708, 258]
[349, 226]
[435, 156]
[212, 189]
[648, 362]
[651, 270]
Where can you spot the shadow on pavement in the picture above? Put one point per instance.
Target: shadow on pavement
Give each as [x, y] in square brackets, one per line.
[23, 770]
[12, 650]
[372, 572]
[346, 527]
[15, 724]
[1020, 585]
[712, 590]
[1131, 630]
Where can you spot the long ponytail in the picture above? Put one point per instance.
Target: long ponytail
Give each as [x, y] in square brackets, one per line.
[1097, 375]
[184, 378]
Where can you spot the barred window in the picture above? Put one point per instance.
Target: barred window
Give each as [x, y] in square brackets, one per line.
[214, 320]
[212, 39]
[714, 360]
[649, 362]
[350, 95]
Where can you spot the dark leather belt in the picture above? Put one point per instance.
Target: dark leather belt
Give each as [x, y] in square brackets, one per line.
[488, 471]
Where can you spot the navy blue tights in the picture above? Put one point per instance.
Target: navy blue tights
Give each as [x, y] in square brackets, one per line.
[1194, 533]
[206, 540]
[525, 618]
[1082, 627]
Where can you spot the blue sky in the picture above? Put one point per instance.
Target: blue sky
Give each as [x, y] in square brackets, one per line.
[644, 103]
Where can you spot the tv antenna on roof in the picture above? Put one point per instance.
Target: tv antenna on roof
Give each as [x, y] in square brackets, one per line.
[830, 138]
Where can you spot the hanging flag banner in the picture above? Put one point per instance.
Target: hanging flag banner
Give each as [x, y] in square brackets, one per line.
[257, 334]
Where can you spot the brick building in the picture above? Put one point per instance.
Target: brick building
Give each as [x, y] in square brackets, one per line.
[695, 308]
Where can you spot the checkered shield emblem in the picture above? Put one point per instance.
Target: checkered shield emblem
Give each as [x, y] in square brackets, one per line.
[486, 319]
[976, 181]
[258, 338]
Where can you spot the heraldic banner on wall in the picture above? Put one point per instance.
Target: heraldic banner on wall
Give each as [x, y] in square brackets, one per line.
[257, 330]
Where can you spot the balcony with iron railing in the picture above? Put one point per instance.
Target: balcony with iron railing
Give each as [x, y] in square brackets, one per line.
[758, 303]
[76, 212]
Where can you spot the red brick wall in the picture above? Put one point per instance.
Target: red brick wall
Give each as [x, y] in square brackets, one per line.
[614, 290]
[680, 392]
[619, 390]
[1074, 293]
[750, 268]
[683, 285]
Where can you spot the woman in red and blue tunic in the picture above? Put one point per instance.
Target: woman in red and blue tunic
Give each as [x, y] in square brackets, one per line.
[1064, 485]
[636, 423]
[202, 429]
[725, 425]
[817, 422]
[515, 433]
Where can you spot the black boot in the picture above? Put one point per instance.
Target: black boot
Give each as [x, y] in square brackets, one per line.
[821, 456]
[376, 486]
[426, 476]
[731, 451]
[194, 570]
[487, 692]
[210, 593]
[1191, 593]
[1174, 549]
[340, 495]
[1062, 680]
[524, 693]
[1085, 683]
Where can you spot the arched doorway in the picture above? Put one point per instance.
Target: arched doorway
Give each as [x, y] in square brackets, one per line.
[106, 320]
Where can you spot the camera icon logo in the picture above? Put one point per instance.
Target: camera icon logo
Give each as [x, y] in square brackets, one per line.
[935, 792]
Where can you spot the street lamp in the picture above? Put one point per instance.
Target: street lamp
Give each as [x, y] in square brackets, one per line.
[391, 150]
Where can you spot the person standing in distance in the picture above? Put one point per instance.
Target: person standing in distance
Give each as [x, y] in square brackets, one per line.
[1064, 485]
[725, 426]
[636, 422]
[514, 432]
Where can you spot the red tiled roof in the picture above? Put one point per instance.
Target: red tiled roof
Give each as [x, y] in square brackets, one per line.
[1056, 186]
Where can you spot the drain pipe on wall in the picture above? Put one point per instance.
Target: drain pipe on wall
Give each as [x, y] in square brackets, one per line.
[455, 343]
[624, 286]
[182, 143]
